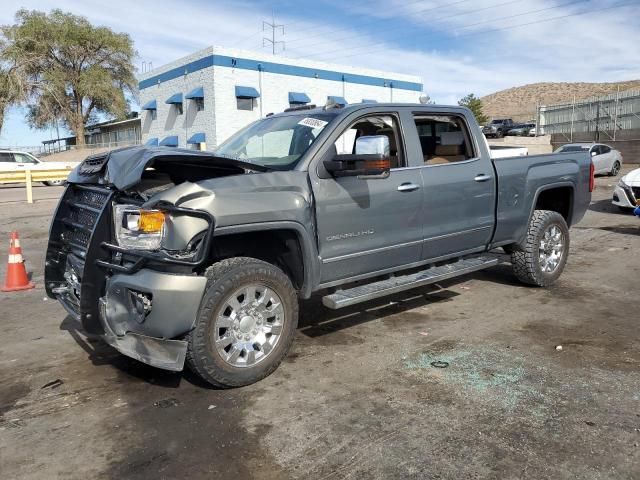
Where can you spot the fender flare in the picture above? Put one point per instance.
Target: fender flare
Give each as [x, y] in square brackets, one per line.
[310, 260]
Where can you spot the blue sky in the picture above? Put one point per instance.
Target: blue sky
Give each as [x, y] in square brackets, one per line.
[457, 47]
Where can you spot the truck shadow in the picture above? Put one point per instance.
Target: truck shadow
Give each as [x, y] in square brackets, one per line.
[317, 320]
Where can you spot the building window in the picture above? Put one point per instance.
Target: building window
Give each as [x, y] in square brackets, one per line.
[154, 114]
[246, 103]
[199, 104]
[178, 108]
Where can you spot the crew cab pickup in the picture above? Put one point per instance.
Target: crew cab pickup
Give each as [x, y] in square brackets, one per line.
[180, 256]
[498, 128]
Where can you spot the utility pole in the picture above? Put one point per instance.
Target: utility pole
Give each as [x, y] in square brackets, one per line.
[272, 41]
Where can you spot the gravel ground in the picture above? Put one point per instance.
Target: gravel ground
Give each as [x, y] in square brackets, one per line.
[357, 396]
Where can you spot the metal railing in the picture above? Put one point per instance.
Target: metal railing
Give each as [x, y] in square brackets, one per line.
[30, 175]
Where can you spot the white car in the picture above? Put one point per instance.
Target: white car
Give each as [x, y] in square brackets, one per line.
[606, 160]
[627, 192]
[12, 160]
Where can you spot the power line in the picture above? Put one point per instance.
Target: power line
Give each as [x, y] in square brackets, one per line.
[490, 30]
[326, 32]
[244, 39]
[272, 41]
[347, 37]
[526, 24]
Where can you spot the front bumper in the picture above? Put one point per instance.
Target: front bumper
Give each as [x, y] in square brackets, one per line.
[143, 312]
[623, 197]
[129, 298]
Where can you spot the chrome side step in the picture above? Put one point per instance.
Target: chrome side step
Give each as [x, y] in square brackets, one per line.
[381, 288]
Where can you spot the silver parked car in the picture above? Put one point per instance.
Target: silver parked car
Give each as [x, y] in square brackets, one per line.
[606, 160]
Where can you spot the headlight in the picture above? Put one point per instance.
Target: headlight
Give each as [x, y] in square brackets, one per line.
[622, 184]
[137, 228]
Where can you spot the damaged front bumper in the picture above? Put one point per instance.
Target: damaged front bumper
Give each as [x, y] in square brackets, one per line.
[141, 303]
[141, 313]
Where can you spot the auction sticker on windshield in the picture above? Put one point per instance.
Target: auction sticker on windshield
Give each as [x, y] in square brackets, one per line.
[312, 122]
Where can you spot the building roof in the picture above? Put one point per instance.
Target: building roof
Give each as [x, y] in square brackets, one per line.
[248, 60]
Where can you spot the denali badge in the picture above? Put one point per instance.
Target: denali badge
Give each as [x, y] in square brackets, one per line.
[342, 236]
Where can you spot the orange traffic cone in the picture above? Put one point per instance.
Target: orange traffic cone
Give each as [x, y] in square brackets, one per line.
[16, 272]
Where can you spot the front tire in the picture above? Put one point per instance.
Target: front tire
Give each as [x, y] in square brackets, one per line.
[245, 325]
[542, 258]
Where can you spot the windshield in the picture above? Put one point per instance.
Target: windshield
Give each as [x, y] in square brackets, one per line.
[276, 142]
[574, 148]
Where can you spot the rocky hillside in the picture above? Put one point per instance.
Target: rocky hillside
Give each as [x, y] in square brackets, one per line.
[520, 103]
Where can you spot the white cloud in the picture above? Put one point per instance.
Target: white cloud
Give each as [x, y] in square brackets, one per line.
[435, 41]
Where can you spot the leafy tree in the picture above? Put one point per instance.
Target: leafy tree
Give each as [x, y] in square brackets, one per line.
[64, 67]
[474, 104]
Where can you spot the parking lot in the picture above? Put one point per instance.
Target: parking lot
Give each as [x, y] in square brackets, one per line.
[357, 396]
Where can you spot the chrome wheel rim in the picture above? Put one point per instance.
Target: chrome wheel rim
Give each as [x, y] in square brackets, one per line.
[248, 325]
[616, 169]
[551, 249]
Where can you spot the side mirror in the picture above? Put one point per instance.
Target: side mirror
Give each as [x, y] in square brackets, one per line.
[372, 158]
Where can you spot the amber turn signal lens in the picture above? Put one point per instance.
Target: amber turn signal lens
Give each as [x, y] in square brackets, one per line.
[383, 164]
[150, 221]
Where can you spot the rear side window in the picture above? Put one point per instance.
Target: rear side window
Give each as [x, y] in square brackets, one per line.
[604, 149]
[444, 139]
[6, 157]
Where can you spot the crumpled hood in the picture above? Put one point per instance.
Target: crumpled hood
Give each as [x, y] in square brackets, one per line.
[632, 178]
[123, 168]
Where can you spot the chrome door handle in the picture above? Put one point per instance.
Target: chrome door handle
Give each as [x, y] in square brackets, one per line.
[482, 177]
[408, 187]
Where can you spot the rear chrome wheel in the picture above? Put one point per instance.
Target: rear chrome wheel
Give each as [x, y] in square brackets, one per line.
[551, 249]
[249, 325]
[540, 260]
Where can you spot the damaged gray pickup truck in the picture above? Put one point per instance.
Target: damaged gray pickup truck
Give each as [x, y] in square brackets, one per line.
[175, 256]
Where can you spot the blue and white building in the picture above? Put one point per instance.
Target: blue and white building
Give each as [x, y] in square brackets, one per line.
[200, 100]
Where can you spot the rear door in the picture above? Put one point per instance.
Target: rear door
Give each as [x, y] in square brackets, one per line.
[367, 225]
[599, 159]
[7, 162]
[459, 187]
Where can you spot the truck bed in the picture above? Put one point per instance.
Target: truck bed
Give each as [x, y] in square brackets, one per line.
[521, 180]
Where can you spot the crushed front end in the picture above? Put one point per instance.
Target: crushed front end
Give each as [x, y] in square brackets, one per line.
[140, 301]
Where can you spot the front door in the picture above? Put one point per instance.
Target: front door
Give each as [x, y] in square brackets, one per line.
[459, 187]
[367, 225]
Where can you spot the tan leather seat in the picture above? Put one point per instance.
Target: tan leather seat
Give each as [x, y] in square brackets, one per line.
[446, 154]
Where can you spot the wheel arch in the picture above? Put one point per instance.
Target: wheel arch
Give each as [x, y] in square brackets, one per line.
[286, 244]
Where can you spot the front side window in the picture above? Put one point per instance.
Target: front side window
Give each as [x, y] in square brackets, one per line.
[246, 103]
[443, 138]
[24, 158]
[277, 141]
[372, 125]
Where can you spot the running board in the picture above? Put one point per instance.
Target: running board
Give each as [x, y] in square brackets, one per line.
[381, 288]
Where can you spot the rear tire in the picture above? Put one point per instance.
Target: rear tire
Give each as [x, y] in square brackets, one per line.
[238, 340]
[55, 183]
[542, 258]
[615, 169]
